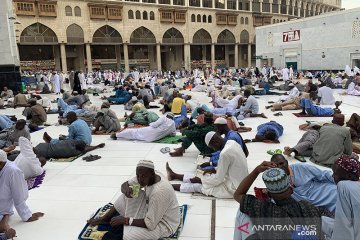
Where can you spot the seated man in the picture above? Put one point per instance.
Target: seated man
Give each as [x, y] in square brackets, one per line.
[249, 108]
[64, 149]
[106, 120]
[281, 209]
[177, 103]
[20, 100]
[221, 182]
[78, 130]
[27, 161]
[309, 183]
[151, 213]
[346, 224]
[325, 96]
[6, 94]
[121, 96]
[310, 109]
[354, 125]
[157, 130]
[10, 136]
[35, 113]
[333, 142]
[14, 193]
[6, 122]
[196, 134]
[305, 145]
[268, 132]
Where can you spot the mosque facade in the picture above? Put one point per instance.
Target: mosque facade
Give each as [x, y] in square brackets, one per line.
[151, 34]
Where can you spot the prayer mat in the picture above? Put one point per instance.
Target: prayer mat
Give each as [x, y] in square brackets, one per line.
[97, 232]
[69, 159]
[170, 139]
[35, 182]
[301, 115]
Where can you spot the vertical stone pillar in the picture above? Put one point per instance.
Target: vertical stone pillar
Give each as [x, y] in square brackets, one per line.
[63, 57]
[249, 55]
[88, 57]
[236, 53]
[187, 56]
[126, 58]
[158, 56]
[212, 56]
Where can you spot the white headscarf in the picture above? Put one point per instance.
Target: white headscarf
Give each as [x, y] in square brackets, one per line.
[27, 160]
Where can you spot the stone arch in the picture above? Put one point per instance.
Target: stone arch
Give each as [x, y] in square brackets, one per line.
[173, 36]
[202, 37]
[244, 37]
[226, 37]
[107, 34]
[75, 34]
[142, 35]
[38, 34]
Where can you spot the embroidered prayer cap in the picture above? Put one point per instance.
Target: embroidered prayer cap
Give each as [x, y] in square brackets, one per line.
[209, 136]
[3, 156]
[146, 164]
[276, 180]
[220, 121]
[349, 164]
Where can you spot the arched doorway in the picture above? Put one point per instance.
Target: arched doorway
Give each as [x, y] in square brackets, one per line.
[244, 48]
[106, 49]
[75, 47]
[225, 50]
[142, 49]
[172, 50]
[39, 48]
[200, 49]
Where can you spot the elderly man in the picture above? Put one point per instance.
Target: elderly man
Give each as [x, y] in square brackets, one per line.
[334, 141]
[6, 93]
[151, 213]
[11, 135]
[221, 182]
[78, 130]
[346, 224]
[14, 193]
[157, 130]
[106, 120]
[36, 113]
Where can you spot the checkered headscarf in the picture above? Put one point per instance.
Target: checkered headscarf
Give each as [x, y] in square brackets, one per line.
[349, 164]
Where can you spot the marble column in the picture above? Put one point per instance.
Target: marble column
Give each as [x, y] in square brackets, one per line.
[158, 56]
[187, 56]
[212, 56]
[63, 57]
[236, 53]
[88, 57]
[126, 58]
[249, 55]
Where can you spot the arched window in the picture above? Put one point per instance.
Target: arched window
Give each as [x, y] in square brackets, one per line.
[193, 18]
[246, 21]
[209, 19]
[198, 18]
[138, 15]
[242, 21]
[204, 18]
[152, 15]
[77, 11]
[130, 14]
[68, 11]
[145, 15]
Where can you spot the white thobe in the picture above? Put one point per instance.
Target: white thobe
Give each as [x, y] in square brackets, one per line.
[159, 129]
[56, 83]
[285, 74]
[326, 94]
[264, 71]
[14, 192]
[292, 94]
[82, 80]
[348, 71]
[27, 160]
[231, 170]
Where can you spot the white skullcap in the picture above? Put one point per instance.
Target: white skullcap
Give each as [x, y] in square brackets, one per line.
[130, 91]
[146, 164]
[221, 121]
[3, 156]
[208, 137]
[134, 99]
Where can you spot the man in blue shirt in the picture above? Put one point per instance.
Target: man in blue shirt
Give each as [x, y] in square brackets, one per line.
[268, 132]
[78, 130]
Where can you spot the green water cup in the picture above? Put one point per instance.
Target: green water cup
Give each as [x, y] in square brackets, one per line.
[135, 190]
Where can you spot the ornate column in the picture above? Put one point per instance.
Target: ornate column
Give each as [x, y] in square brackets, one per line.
[250, 5]
[126, 58]
[287, 7]
[88, 57]
[271, 5]
[212, 56]
[63, 57]
[236, 50]
[261, 5]
[187, 56]
[158, 56]
[249, 55]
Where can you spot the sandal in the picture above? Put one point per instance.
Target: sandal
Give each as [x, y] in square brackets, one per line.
[165, 150]
[270, 102]
[91, 158]
[273, 152]
[300, 158]
[278, 114]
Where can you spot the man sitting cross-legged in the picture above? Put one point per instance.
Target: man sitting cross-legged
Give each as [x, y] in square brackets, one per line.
[232, 168]
[13, 193]
[151, 213]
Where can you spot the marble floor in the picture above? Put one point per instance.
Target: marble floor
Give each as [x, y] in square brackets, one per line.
[72, 191]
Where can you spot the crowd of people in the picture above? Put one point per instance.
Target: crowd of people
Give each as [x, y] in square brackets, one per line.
[296, 194]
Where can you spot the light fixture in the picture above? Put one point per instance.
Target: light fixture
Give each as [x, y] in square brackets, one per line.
[17, 22]
[323, 55]
[12, 18]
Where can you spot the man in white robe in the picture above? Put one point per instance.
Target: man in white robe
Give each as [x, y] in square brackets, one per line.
[57, 83]
[27, 161]
[82, 80]
[157, 130]
[222, 181]
[285, 74]
[325, 96]
[294, 92]
[13, 193]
